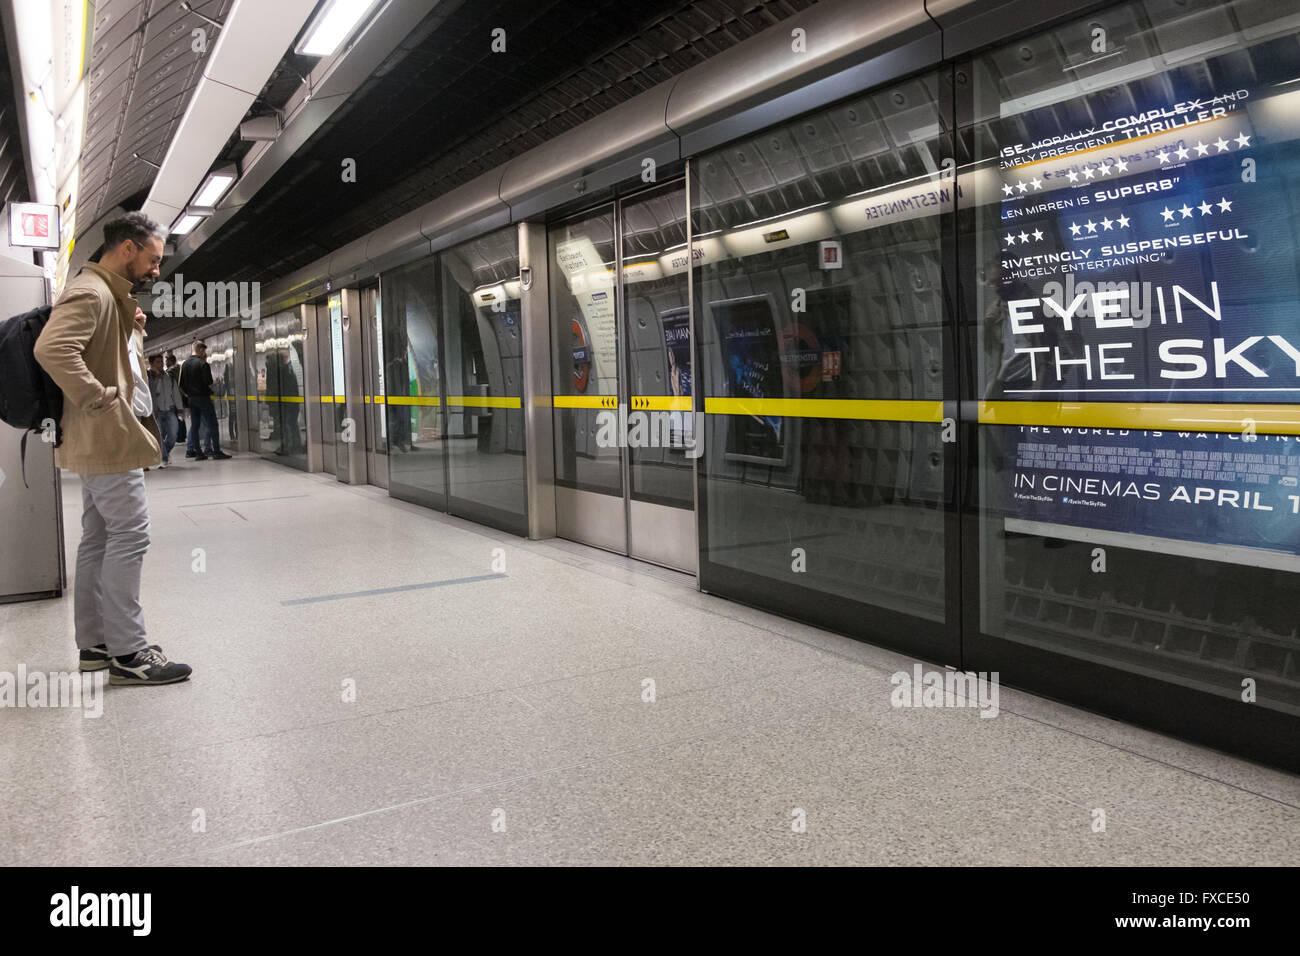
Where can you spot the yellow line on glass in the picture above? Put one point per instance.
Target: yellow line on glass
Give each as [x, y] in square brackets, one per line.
[855, 408]
[1160, 416]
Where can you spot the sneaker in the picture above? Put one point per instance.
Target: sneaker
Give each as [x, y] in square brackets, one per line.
[163, 465]
[219, 455]
[198, 457]
[149, 666]
[191, 454]
[96, 658]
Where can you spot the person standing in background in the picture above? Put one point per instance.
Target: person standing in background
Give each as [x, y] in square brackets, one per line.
[173, 369]
[166, 405]
[196, 386]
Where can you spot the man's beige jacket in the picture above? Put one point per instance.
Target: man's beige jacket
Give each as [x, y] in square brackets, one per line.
[83, 347]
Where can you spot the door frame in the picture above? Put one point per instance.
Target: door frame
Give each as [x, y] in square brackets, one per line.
[589, 517]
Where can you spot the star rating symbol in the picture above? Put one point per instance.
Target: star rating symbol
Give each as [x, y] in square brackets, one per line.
[1221, 144]
[1124, 221]
[1087, 172]
[1107, 223]
[1121, 165]
[1011, 240]
[1168, 214]
[1186, 211]
[1038, 235]
[1091, 226]
[1183, 152]
[1006, 189]
[1201, 148]
[1105, 169]
[1024, 237]
[1022, 187]
[1243, 140]
[1205, 208]
[1075, 229]
[1163, 157]
[1073, 176]
[1036, 183]
[1225, 205]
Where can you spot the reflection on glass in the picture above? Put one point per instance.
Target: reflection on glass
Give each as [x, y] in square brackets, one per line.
[413, 378]
[334, 412]
[820, 314]
[584, 336]
[285, 369]
[372, 342]
[277, 370]
[657, 311]
[484, 380]
[221, 360]
[266, 367]
[1132, 214]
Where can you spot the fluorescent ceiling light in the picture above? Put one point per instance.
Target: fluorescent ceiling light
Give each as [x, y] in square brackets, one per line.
[185, 224]
[335, 22]
[215, 186]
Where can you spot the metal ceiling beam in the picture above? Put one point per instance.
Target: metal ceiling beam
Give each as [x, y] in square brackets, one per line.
[252, 42]
[328, 87]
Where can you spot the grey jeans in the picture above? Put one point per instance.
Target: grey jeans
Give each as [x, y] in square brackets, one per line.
[114, 538]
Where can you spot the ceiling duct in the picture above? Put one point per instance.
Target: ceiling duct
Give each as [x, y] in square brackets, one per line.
[252, 42]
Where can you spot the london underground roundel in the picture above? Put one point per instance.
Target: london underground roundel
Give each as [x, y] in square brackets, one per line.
[581, 358]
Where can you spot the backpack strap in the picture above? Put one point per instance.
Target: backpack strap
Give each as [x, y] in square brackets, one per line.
[22, 454]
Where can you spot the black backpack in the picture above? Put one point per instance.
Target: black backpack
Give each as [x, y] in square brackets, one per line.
[28, 396]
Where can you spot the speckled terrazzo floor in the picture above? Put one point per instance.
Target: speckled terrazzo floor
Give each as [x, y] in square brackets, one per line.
[504, 719]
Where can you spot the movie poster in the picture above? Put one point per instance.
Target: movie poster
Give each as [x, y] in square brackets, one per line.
[676, 325]
[751, 351]
[1151, 258]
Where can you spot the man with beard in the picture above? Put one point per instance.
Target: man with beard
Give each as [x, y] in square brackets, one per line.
[85, 349]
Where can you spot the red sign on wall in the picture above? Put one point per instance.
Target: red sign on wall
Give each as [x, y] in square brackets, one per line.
[34, 225]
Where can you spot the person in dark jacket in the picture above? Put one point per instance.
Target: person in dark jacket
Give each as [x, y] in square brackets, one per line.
[196, 386]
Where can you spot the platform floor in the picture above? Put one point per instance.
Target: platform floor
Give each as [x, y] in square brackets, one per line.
[501, 719]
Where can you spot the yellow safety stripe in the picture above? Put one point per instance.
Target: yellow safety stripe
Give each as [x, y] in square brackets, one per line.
[481, 401]
[584, 401]
[662, 403]
[894, 411]
[1268, 419]
[414, 400]
[1159, 416]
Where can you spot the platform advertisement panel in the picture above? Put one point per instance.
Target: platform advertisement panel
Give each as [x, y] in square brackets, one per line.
[1152, 258]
